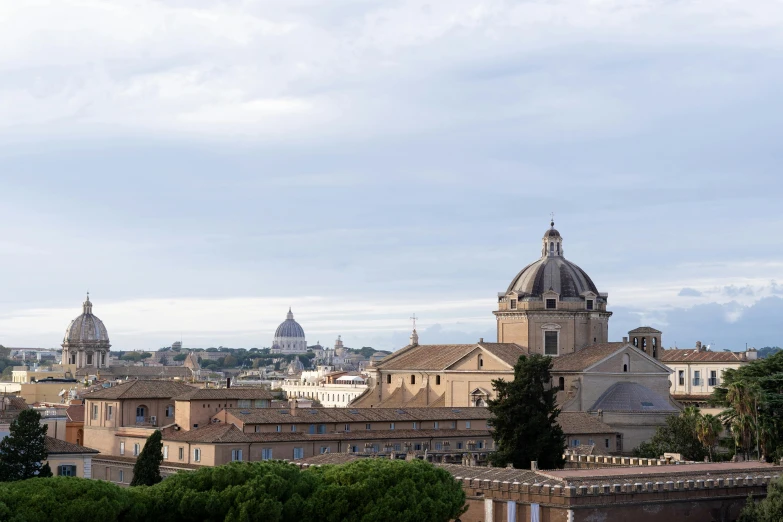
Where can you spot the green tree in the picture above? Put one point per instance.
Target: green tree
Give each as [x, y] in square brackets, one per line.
[229, 361]
[5, 353]
[769, 509]
[45, 471]
[146, 472]
[524, 417]
[24, 449]
[180, 357]
[708, 430]
[678, 435]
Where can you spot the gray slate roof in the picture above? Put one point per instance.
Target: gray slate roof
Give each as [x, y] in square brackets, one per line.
[631, 396]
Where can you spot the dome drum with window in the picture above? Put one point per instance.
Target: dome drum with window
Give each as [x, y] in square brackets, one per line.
[86, 342]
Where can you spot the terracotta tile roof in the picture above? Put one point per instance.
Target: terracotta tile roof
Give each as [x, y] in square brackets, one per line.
[75, 412]
[14, 404]
[273, 436]
[212, 433]
[131, 461]
[584, 358]
[501, 474]
[61, 447]
[693, 355]
[225, 393]
[141, 390]
[161, 372]
[345, 415]
[441, 356]
[644, 329]
[582, 423]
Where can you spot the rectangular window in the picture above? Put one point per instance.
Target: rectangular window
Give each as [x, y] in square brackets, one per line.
[181, 453]
[311, 429]
[94, 412]
[459, 445]
[321, 429]
[697, 378]
[575, 442]
[453, 425]
[347, 427]
[391, 425]
[550, 343]
[713, 378]
[236, 455]
[513, 304]
[122, 448]
[551, 304]
[437, 379]
[481, 444]
[589, 304]
[298, 453]
[324, 449]
[121, 477]
[165, 452]
[266, 454]
[682, 377]
[435, 425]
[278, 428]
[260, 403]
[293, 428]
[606, 443]
[368, 426]
[438, 446]
[136, 449]
[415, 425]
[244, 403]
[109, 412]
[388, 379]
[413, 379]
[197, 455]
[397, 447]
[417, 446]
[169, 411]
[66, 471]
[590, 441]
[467, 425]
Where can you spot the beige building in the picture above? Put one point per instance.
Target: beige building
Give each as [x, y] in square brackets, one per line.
[454, 375]
[69, 460]
[552, 307]
[696, 372]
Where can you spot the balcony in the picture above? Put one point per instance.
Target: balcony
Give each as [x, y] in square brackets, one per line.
[713, 381]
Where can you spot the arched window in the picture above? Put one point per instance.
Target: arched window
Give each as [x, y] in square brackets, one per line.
[561, 383]
[644, 344]
[655, 347]
[481, 362]
[636, 342]
[551, 247]
[626, 363]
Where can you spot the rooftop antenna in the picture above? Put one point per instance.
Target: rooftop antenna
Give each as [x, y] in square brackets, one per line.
[414, 318]
[552, 220]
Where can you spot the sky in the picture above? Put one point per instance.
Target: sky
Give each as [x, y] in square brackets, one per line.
[200, 166]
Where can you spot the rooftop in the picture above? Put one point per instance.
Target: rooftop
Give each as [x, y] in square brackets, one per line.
[345, 415]
[693, 355]
[586, 357]
[246, 392]
[141, 389]
[442, 356]
[61, 447]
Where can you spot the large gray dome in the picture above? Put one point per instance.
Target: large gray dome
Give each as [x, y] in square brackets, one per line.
[555, 273]
[289, 328]
[86, 328]
[552, 272]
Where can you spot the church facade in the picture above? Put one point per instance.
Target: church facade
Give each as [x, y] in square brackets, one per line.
[553, 308]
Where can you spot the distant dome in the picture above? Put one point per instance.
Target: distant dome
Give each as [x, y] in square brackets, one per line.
[552, 272]
[289, 337]
[86, 328]
[289, 328]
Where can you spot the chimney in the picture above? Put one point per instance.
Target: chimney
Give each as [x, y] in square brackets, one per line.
[625, 339]
[228, 382]
[292, 406]
[698, 346]
[481, 339]
[533, 465]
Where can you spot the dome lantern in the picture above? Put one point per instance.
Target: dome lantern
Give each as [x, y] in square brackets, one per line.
[552, 242]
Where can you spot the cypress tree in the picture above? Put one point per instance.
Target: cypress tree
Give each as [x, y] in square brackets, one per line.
[524, 417]
[146, 472]
[24, 449]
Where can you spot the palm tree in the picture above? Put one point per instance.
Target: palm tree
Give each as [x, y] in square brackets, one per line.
[741, 415]
[708, 430]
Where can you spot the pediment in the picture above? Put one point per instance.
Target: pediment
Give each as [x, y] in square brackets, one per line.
[492, 362]
[640, 362]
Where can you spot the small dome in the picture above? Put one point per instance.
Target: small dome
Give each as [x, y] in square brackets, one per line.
[86, 328]
[289, 328]
[552, 232]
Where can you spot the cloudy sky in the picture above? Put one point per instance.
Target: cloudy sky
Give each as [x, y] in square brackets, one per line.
[200, 166]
